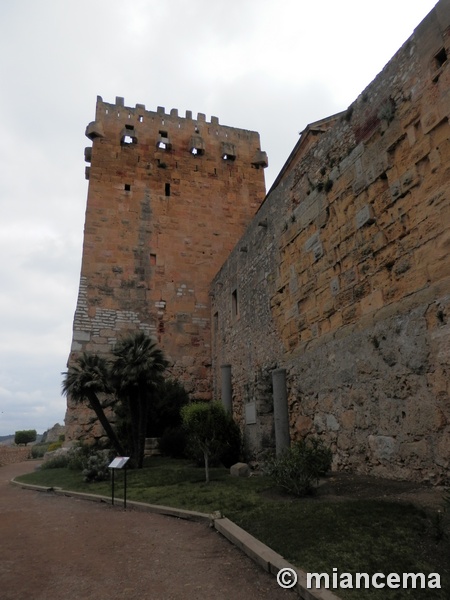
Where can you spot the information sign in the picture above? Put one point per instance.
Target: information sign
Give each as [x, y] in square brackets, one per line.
[119, 462]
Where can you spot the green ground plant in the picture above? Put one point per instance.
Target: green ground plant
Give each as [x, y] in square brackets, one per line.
[54, 446]
[298, 469]
[38, 450]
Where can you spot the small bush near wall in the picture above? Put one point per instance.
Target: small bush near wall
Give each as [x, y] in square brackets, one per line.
[59, 461]
[96, 468]
[298, 469]
[38, 450]
[173, 442]
[54, 446]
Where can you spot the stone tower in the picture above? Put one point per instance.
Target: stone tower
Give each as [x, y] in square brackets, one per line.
[168, 199]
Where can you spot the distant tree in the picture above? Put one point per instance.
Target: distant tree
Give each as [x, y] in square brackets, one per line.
[207, 425]
[85, 379]
[25, 436]
[137, 370]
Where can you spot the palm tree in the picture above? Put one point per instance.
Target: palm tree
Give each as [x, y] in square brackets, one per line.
[137, 370]
[87, 377]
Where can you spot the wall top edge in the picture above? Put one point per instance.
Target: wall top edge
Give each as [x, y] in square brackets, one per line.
[140, 109]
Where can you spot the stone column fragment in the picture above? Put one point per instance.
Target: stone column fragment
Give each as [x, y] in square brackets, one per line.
[226, 388]
[280, 411]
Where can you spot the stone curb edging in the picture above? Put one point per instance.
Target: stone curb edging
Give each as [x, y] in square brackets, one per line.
[265, 557]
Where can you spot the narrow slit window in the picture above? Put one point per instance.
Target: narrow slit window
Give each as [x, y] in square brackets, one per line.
[234, 304]
[167, 189]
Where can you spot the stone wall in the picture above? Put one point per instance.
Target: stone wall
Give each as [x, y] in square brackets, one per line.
[10, 455]
[168, 198]
[343, 277]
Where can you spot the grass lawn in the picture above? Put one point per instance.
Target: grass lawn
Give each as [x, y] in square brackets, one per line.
[352, 535]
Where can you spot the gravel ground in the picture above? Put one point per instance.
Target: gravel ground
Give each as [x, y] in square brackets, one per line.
[62, 548]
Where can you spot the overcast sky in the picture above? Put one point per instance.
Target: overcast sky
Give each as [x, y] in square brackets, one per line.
[271, 66]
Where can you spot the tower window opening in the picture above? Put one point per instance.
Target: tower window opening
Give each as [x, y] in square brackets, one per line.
[127, 139]
[197, 151]
[140, 118]
[163, 142]
[129, 127]
[440, 58]
[167, 189]
[234, 304]
[127, 187]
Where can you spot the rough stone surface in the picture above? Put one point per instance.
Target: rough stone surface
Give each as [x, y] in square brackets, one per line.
[240, 470]
[10, 455]
[160, 221]
[54, 433]
[342, 278]
[347, 286]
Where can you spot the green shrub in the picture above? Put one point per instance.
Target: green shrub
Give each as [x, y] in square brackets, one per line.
[96, 468]
[78, 456]
[297, 470]
[211, 432]
[164, 412]
[38, 450]
[173, 442]
[231, 451]
[59, 461]
[54, 446]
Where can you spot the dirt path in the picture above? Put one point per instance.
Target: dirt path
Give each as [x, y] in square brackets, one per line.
[60, 548]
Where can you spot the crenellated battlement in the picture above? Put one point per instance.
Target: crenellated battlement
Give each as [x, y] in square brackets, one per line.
[160, 110]
[177, 138]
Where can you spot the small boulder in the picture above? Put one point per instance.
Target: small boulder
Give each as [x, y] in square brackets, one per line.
[240, 470]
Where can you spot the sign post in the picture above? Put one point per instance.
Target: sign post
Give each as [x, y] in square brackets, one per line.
[119, 463]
